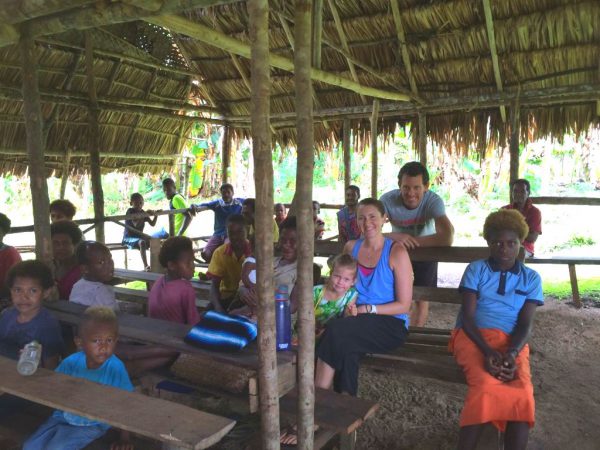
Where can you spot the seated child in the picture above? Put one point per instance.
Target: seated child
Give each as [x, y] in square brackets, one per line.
[96, 338]
[9, 256]
[319, 224]
[223, 208]
[500, 297]
[65, 236]
[172, 296]
[225, 268]
[30, 282]
[337, 297]
[97, 270]
[62, 210]
[133, 234]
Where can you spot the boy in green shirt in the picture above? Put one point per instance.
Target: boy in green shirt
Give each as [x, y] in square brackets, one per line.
[179, 222]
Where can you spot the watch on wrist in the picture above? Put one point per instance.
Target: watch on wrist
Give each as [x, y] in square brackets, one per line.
[373, 309]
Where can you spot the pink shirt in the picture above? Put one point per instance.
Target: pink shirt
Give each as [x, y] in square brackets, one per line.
[9, 256]
[173, 300]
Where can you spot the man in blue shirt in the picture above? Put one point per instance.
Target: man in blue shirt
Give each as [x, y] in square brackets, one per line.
[223, 208]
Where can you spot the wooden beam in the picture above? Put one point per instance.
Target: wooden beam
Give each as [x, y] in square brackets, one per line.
[340, 30]
[65, 173]
[591, 201]
[16, 11]
[515, 131]
[422, 141]
[35, 148]
[317, 32]
[305, 231]
[374, 116]
[94, 140]
[209, 36]
[226, 156]
[136, 120]
[489, 26]
[85, 154]
[258, 11]
[346, 128]
[403, 47]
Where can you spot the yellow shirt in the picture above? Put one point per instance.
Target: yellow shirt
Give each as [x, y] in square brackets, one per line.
[275, 232]
[227, 267]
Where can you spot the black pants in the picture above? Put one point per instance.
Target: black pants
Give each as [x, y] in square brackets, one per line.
[346, 340]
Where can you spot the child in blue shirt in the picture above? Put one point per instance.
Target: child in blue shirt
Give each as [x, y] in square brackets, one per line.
[133, 235]
[97, 337]
[223, 208]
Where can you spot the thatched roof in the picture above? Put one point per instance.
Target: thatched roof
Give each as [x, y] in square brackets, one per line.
[440, 54]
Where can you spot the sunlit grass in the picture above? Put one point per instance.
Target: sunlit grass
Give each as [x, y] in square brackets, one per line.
[588, 287]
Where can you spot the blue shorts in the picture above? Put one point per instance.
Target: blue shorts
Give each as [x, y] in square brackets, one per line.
[131, 242]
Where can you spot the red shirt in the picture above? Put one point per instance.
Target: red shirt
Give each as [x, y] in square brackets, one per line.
[9, 256]
[533, 217]
[173, 300]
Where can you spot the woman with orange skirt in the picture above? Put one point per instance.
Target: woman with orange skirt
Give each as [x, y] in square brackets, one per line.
[500, 297]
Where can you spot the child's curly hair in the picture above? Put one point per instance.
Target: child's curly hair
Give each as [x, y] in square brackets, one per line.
[172, 249]
[505, 219]
[34, 269]
[65, 207]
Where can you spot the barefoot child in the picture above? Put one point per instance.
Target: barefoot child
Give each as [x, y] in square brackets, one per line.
[133, 235]
[97, 268]
[172, 296]
[29, 282]
[500, 297]
[96, 339]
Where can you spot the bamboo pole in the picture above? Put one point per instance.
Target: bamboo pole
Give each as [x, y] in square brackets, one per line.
[258, 11]
[422, 141]
[374, 116]
[35, 148]
[226, 158]
[317, 32]
[515, 128]
[304, 193]
[206, 34]
[65, 173]
[489, 26]
[347, 155]
[94, 140]
[403, 47]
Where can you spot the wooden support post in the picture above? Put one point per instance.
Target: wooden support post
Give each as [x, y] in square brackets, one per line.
[65, 173]
[35, 147]
[226, 156]
[574, 286]
[347, 154]
[94, 140]
[155, 245]
[306, 242]
[515, 129]
[422, 141]
[317, 32]
[258, 11]
[374, 148]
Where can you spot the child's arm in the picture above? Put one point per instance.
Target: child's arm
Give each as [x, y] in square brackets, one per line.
[351, 309]
[151, 221]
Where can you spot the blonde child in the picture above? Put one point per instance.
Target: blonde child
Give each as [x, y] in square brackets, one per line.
[96, 338]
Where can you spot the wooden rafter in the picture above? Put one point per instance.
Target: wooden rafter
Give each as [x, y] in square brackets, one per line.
[403, 47]
[344, 42]
[85, 154]
[489, 26]
[210, 36]
[136, 120]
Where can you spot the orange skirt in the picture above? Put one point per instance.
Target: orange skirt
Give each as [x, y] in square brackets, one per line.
[489, 399]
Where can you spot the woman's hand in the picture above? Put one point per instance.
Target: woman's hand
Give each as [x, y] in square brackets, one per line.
[509, 367]
[492, 361]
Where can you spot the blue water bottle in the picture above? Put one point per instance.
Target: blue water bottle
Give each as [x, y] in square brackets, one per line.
[283, 319]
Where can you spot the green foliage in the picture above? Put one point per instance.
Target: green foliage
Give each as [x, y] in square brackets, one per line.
[588, 287]
[575, 241]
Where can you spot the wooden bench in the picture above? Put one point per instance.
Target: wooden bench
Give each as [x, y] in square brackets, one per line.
[571, 262]
[177, 426]
[233, 372]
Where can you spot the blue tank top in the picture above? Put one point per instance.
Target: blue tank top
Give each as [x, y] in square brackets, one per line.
[378, 287]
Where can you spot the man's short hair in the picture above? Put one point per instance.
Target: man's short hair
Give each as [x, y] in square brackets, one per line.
[4, 223]
[355, 188]
[236, 219]
[65, 207]
[288, 224]
[226, 186]
[168, 182]
[522, 181]
[250, 202]
[414, 169]
[69, 228]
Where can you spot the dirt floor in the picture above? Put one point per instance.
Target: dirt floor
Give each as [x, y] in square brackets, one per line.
[423, 414]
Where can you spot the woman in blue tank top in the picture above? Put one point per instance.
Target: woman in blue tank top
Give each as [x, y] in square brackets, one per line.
[379, 321]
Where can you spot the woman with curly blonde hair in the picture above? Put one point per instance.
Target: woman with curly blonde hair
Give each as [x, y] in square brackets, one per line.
[500, 297]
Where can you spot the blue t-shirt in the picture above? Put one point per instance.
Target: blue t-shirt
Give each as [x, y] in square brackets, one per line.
[43, 328]
[222, 212]
[415, 222]
[500, 294]
[136, 224]
[111, 373]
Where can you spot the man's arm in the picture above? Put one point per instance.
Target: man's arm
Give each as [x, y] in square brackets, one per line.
[215, 294]
[443, 237]
[187, 219]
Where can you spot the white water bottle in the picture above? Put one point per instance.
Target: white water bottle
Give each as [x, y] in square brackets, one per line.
[30, 358]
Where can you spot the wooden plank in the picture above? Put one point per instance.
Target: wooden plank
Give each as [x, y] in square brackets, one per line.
[576, 260]
[157, 419]
[423, 366]
[139, 275]
[592, 201]
[438, 295]
[574, 287]
[333, 411]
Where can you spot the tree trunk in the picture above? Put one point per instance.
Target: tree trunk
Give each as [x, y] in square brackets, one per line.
[35, 148]
[515, 129]
[374, 115]
[304, 191]
[347, 155]
[258, 11]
